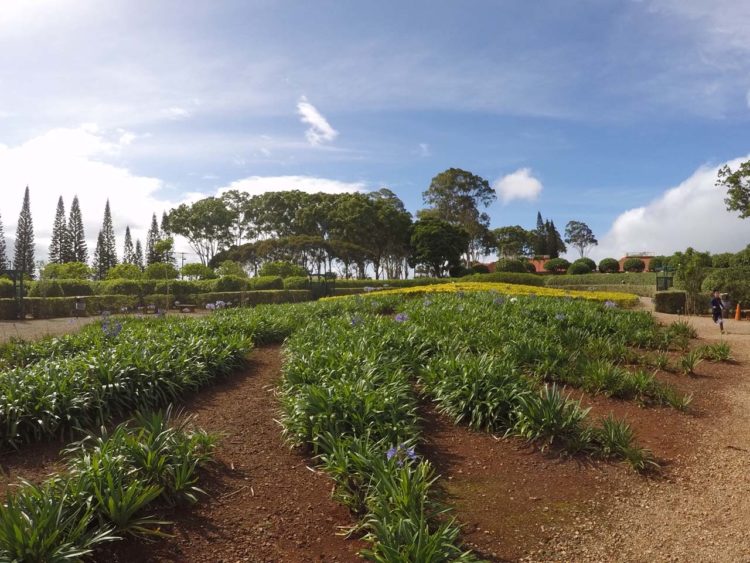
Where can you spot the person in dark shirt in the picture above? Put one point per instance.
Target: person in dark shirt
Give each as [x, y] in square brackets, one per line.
[717, 310]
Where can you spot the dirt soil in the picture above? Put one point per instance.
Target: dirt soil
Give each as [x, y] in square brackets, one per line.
[265, 503]
[35, 329]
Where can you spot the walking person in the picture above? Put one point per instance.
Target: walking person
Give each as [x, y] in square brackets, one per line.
[717, 310]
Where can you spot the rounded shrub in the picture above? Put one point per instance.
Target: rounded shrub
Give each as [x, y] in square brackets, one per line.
[198, 271]
[609, 266]
[578, 268]
[76, 288]
[634, 265]
[282, 269]
[124, 272]
[588, 261]
[46, 288]
[267, 282]
[557, 265]
[6, 289]
[480, 269]
[232, 283]
[160, 271]
[120, 287]
[509, 265]
[296, 282]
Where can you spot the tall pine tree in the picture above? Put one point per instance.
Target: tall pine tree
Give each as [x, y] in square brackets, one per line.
[152, 240]
[138, 254]
[100, 260]
[24, 251]
[106, 253]
[3, 253]
[168, 256]
[128, 252]
[78, 252]
[59, 247]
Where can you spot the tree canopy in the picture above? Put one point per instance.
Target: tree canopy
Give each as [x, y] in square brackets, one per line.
[737, 184]
[579, 236]
[437, 245]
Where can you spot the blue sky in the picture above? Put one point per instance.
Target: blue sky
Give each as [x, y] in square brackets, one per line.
[615, 113]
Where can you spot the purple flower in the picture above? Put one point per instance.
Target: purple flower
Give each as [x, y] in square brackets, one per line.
[402, 317]
[356, 320]
[560, 317]
[427, 302]
[401, 453]
[498, 300]
[460, 294]
[111, 329]
[610, 304]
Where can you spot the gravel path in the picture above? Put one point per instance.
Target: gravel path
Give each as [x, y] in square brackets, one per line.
[702, 513]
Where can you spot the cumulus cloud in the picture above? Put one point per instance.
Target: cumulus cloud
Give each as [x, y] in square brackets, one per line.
[690, 214]
[521, 184]
[69, 162]
[255, 185]
[320, 131]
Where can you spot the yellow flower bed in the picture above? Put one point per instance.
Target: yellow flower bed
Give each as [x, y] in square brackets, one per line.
[622, 299]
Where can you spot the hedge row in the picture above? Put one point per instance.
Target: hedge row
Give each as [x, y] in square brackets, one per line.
[627, 278]
[675, 302]
[642, 290]
[51, 307]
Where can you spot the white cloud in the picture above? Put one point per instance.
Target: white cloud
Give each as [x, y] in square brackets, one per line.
[177, 113]
[70, 162]
[320, 131]
[255, 185]
[521, 184]
[691, 214]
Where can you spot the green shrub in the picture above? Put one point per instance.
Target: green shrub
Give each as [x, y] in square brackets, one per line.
[579, 268]
[124, 272]
[267, 282]
[507, 277]
[160, 271]
[46, 288]
[588, 261]
[634, 265]
[179, 289]
[231, 268]
[480, 269]
[7, 309]
[67, 271]
[734, 281]
[198, 271]
[459, 271]
[556, 265]
[644, 279]
[282, 269]
[248, 298]
[120, 287]
[609, 266]
[296, 282]
[232, 283]
[6, 289]
[206, 286]
[673, 302]
[507, 265]
[74, 288]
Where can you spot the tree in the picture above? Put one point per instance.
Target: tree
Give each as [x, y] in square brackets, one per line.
[24, 251]
[609, 266]
[634, 264]
[152, 240]
[66, 271]
[557, 265]
[438, 245]
[196, 271]
[236, 203]
[168, 254]
[3, 250]
[205, 224]
[580, 236]
[138, 256]
[128, 251]
[106, 255]
[125, 272]
[691, 273]
[231, 268]
[555, 244]
[282, 269]
[456, 196]
[737, 184]
[59, 248]
[76, 237]
[160, 271]
[513, 241]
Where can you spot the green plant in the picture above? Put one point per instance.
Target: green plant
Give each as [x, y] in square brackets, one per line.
[549, 417]
[690, 361]
[609, 266]
[717, 352]
[633, 264]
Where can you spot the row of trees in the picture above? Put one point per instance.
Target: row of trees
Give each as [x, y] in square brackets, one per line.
[68, 242]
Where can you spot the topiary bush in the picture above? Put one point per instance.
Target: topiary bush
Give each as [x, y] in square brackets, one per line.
[232, 283]
[609, 266]
[46, 288]
[509, 265]
[120, 287]
[267, 282]
[588, 261]
[579, 268]
[673, 302]
[634, 265]
[296, 282]
[160, 271]
[480, 269]
[197, 271]
[557, 265]
[75, 288]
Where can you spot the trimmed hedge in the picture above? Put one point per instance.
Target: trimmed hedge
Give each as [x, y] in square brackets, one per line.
[7, 309]
[642, 290]
[267, 282]
[673, 302]
[506, 265]
[630, 278]
[232, 283]
[579, 269]
[76, 288]
[6, 289]
[51, 307]
[119, 287]
[249, 298]
[507, 277]
[296, 282]
[46, 288]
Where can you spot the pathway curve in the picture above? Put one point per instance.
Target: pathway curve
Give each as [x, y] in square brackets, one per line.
[703, 512]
